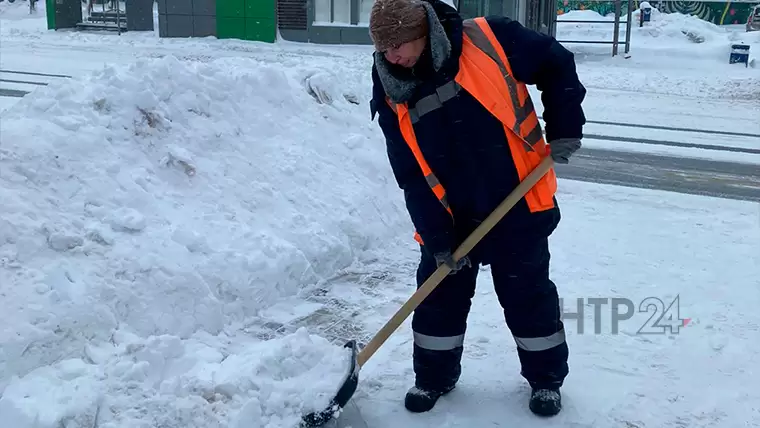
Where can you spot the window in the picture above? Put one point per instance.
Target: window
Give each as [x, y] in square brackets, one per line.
[365, 7]
[332, 11]
[342, 12]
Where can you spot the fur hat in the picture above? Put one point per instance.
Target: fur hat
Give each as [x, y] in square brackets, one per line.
[395, 22]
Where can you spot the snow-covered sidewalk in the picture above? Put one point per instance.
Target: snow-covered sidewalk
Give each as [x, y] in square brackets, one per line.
[670, 79]
[613, 243]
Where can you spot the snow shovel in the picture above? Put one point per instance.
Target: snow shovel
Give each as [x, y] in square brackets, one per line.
[358, 358]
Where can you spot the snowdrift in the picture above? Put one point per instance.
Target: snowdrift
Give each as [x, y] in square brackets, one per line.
[676, 34]
[22, 18]
[151, 213]
[674, 54]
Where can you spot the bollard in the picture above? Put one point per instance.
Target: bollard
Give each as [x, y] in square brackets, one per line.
[739, 54]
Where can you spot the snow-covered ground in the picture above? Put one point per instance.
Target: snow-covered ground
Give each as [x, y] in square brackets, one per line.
[189, 229]
[669, 80]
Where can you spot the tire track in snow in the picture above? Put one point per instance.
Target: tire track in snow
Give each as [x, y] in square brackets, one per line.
[673, 128]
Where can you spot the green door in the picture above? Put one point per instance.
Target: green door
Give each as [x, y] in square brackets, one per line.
[50, 13]
[260, 20]
[246, 20]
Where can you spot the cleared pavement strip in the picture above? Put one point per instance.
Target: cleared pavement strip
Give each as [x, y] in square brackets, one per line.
[15, 93]
[33, 73]
[25, 82]
[21, 84]
[678, 174]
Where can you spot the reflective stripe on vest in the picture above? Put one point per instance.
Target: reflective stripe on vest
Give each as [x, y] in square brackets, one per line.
[485, 73]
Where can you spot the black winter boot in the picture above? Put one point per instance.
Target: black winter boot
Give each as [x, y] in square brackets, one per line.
[419, 400]
[545, 402]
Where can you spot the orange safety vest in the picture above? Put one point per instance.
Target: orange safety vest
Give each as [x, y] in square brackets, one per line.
[485, 73]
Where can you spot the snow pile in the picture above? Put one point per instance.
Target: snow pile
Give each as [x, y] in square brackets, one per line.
[668, 30]
[674, 54]
[23, 20]
[18, 8]
[164, 381]
[174, 201]
[672, 33]
[679, 27]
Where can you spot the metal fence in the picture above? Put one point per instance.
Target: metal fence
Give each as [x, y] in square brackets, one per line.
[615, 42]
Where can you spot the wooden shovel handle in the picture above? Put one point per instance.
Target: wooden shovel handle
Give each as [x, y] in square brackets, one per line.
[432, 282]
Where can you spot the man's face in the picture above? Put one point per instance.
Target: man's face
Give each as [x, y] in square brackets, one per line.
[407, 54]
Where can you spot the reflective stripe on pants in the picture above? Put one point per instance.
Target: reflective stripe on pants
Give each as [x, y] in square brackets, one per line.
[535, 344]
[435, 343]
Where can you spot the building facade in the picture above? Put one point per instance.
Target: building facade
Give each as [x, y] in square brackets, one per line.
[345, 21]
[314, 21]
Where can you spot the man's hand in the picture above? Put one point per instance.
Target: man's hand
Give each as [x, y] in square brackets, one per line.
[448, 258]
[561, 149]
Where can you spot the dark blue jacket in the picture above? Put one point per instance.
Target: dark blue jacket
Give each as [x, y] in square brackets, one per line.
[465, 145]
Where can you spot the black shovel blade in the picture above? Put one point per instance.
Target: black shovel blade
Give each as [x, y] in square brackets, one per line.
[344, 394]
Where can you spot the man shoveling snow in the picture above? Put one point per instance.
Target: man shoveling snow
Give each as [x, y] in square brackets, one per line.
[461, 134]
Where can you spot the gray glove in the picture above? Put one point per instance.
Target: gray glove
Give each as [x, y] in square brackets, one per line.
[561, 149]
[448, 258]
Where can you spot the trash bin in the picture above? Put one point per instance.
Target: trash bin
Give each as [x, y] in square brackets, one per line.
[739, 54]
[63, 13]
[645, 13]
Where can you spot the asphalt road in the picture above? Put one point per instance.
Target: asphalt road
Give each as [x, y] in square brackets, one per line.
[684, 175]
